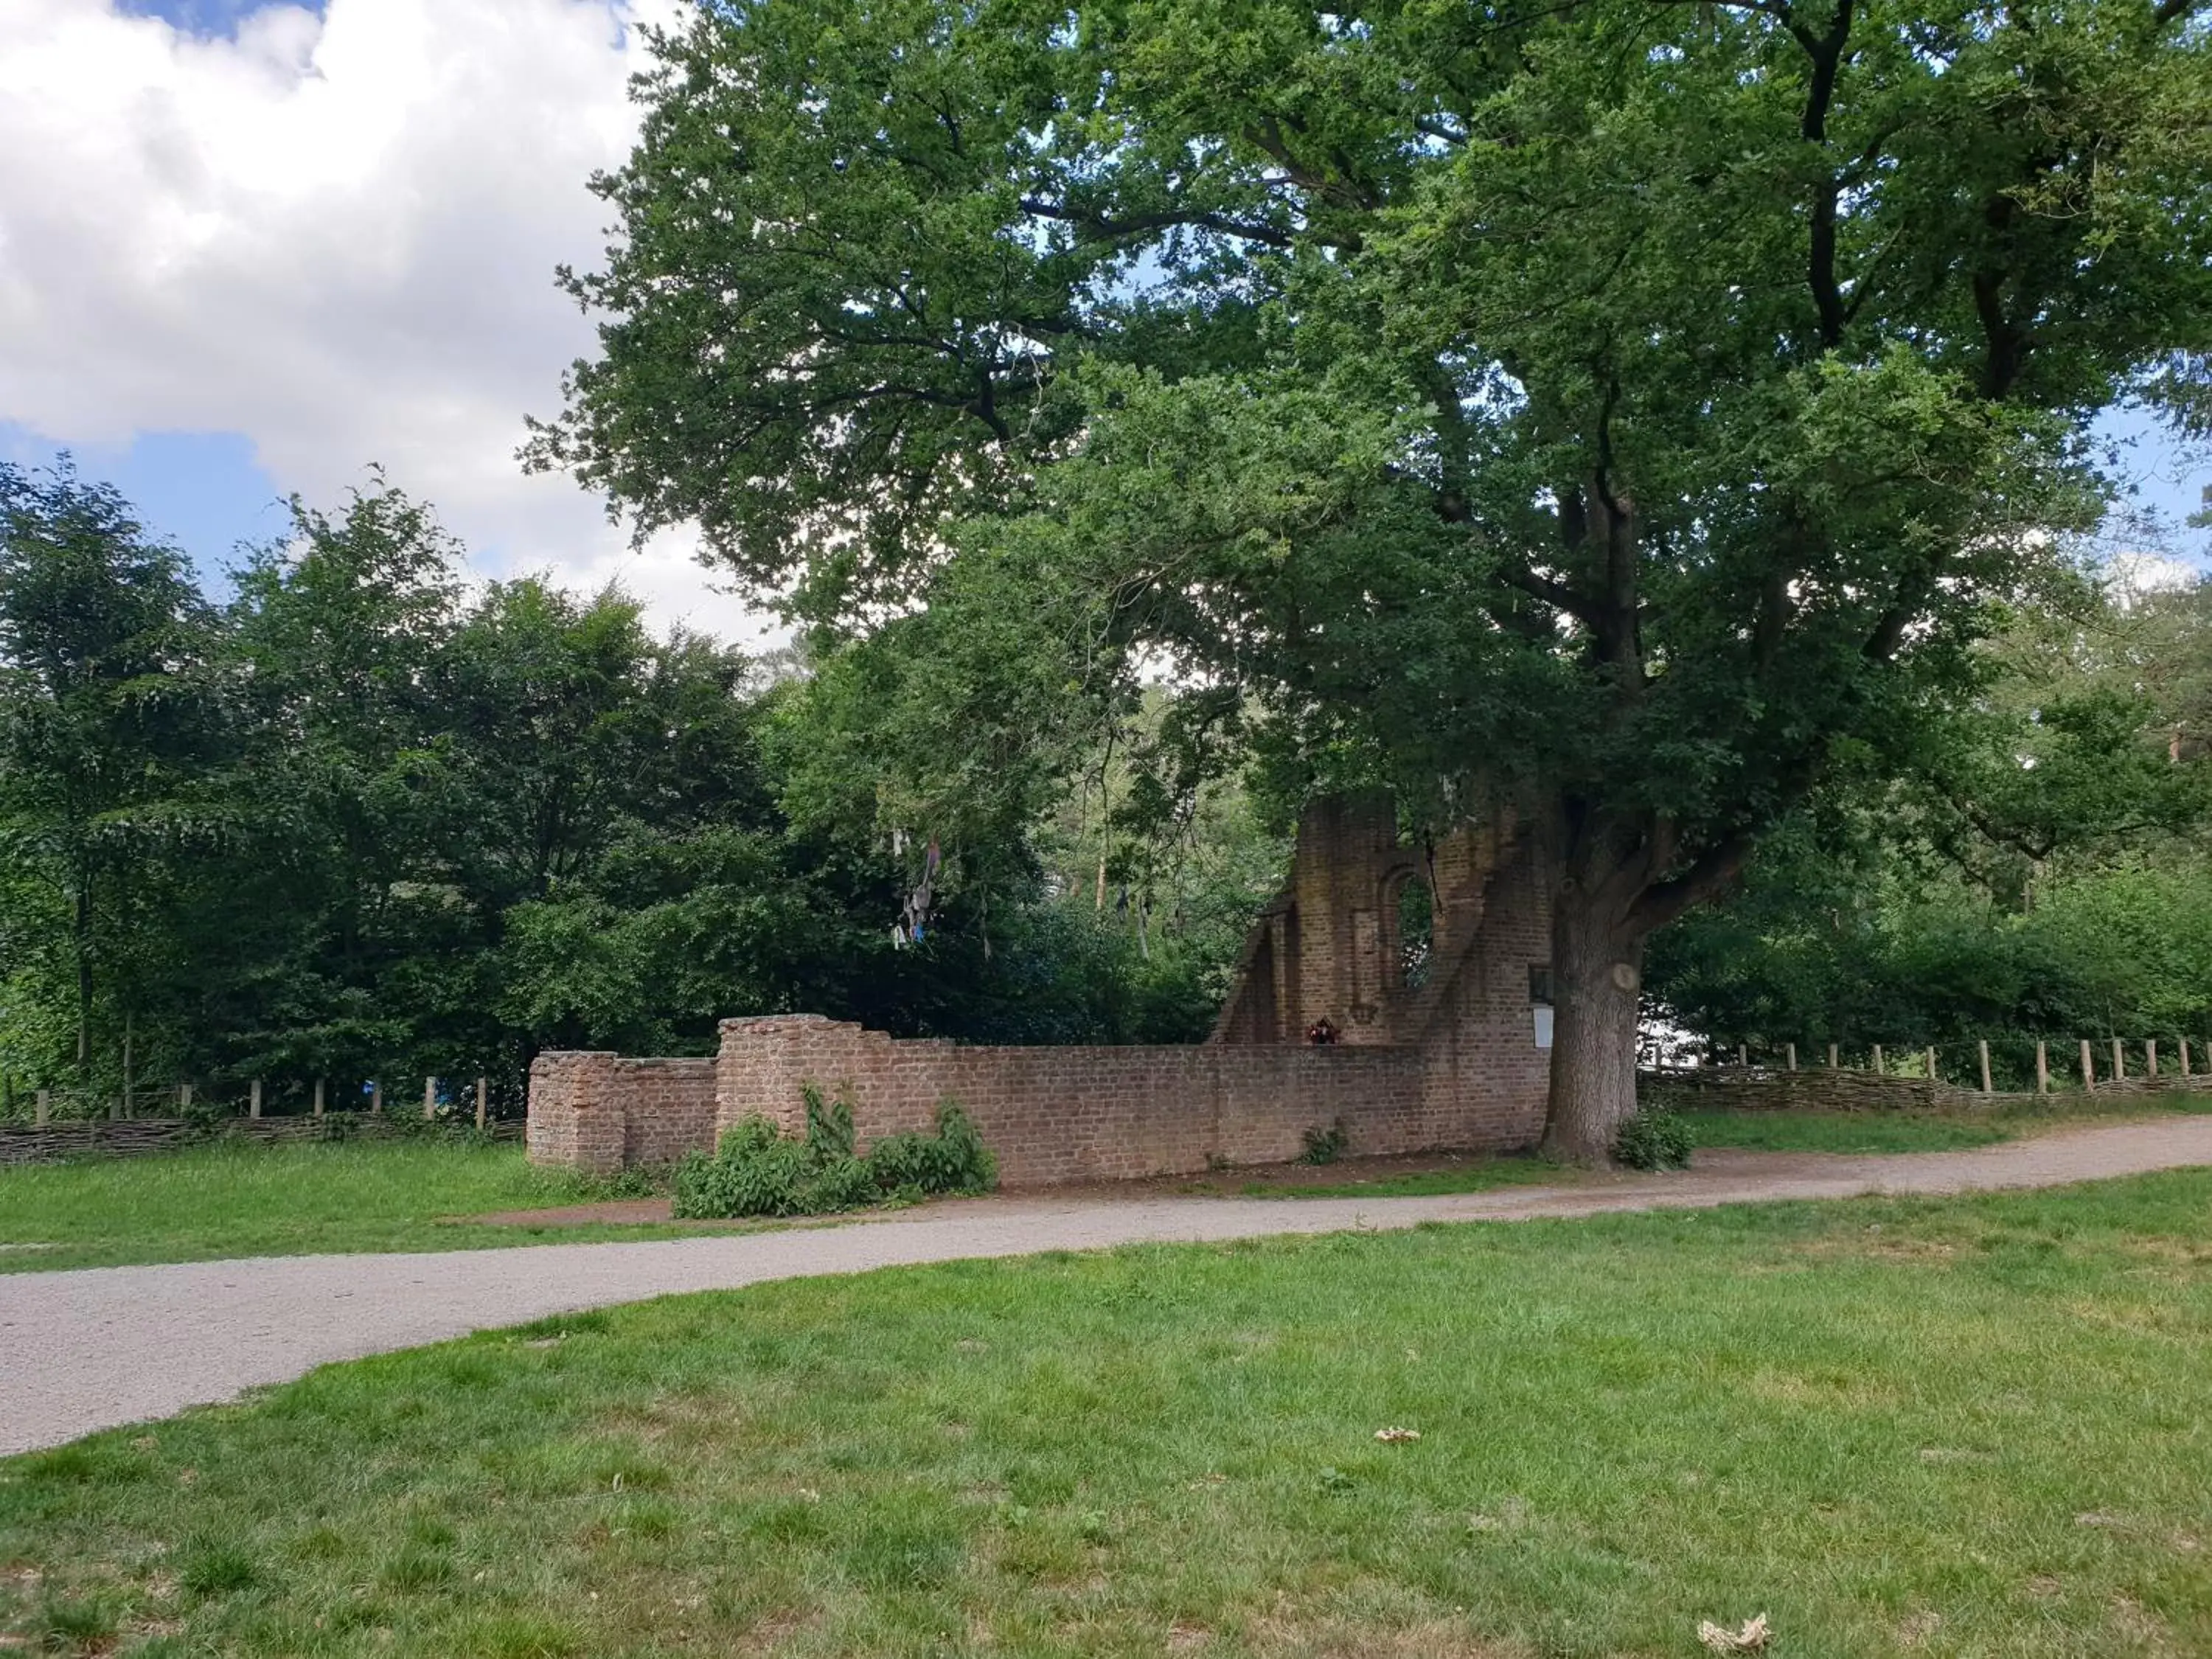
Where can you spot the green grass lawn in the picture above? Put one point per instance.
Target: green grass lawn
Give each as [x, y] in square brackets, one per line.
[1927, 1132]
[233, 1199]
[1768, 1132]
[1968, 1426]
[1846, 1132]
[239, 1199]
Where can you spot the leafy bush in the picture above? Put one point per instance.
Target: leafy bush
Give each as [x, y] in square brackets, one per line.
[1655, 1139]
[1326, 1146]
[953, 1160]
[755, 1171]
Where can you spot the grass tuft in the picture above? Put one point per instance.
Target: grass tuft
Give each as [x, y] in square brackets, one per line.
[214, 1569]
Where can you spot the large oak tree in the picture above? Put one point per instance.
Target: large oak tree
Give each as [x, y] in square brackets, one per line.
[1624, 408]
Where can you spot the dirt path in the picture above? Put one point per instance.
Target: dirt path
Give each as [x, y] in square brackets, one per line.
[101, 1346]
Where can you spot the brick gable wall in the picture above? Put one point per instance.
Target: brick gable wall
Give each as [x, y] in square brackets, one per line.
[1455, 1066]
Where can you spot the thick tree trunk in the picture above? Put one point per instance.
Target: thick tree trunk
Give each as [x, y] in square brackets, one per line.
[82, 939]
[1597, 975]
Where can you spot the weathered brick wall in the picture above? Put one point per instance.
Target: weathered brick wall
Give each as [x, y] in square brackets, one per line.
[1329, 946]
[1451, 1065]
[668, 1107]
[1483, 1075]
[1060, 1115]
[574, 1119]
[601, 1112]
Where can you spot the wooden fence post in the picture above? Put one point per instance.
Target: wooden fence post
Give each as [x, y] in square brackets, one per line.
[483, 1091]
[429, 1098]
[2184, 1056]
[2150, 1055]
[1832, 1056]
[2088, 1072]
[376, 1097]
[1793, 1056]
[183, 1096]
[2119, 1062]
[2042, 1069]
[253, 1098]
[1741, 1059]
[40, 1109]
[1985, 1067]
[1932, 1077]
[1877, 1058]
[318, 1096]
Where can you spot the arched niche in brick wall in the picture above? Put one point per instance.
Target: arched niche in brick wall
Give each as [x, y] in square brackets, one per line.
[1407, 905]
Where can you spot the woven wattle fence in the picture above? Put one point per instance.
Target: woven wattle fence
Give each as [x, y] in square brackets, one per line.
[1842, 1089]
[52, 1143]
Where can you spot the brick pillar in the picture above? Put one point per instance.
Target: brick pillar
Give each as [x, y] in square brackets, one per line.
[576, 1115]
[764, 1060]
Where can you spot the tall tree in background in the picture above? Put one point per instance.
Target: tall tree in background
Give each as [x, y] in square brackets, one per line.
[1628, 409]
[362, 823]
[339, 630]
[110, 715]
[2043, 872]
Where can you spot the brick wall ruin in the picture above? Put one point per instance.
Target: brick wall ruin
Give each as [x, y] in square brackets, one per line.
[601, 1113]
[1438, 1042]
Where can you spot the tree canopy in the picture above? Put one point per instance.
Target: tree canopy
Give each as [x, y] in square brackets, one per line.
[361, 822]
[1633, 409]
[2046, 874]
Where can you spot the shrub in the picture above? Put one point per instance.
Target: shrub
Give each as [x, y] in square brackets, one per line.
[1654, 1139]
[1326, 1146]
[828, 1124]
[755, 1171]
[953, 1160]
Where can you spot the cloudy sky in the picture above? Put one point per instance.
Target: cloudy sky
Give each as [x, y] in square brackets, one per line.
[248, 248]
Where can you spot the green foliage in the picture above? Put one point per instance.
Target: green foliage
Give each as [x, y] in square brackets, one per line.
[1634, 413]
[953, 1160]
[2045, 874]
[829, 1123]
[111, 725]
[754, 1171]
[1654, 1139]
[361, 822]
[1325, 1144]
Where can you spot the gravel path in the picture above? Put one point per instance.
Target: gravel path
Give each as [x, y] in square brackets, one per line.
[101, 1346]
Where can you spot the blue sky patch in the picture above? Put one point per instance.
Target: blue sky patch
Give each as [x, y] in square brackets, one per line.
[203, 490]
[206, 18]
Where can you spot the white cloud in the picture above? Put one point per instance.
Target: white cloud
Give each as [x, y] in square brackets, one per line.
[2136, 574]
[336, 235]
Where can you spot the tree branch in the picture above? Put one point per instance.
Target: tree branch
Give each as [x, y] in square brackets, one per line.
[1827, 52]
[1712, 873]
[1144, 223]
[1558, 595]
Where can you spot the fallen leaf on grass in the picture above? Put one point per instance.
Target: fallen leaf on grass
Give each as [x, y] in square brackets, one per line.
[1396, 1437]
[1752, 1638]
